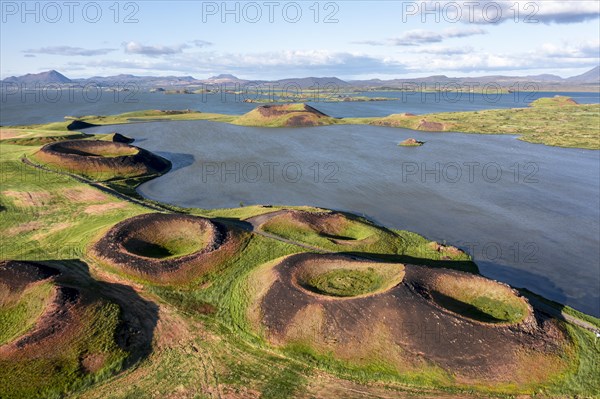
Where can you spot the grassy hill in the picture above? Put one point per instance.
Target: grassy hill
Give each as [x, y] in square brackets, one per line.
[557, 121]
[288, 115]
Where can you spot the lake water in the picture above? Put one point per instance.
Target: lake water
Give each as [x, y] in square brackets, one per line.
[529, 214]
[31, 107]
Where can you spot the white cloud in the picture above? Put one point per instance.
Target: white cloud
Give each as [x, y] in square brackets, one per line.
[138, 48]
[270, 64]
[134, 47]
[548, 56]
[69, 51]
[521, 11]
[587, 49]
[432, 59]
[439, 50]
[201, 43]
[418, 37]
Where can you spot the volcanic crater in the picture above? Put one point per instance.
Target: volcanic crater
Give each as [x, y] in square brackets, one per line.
[104, 159]
[165, 246]
[415, 318]
[329, 229]
[48, 317]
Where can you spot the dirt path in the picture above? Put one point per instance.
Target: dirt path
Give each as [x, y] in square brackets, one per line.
[561, 315]
[254, 223]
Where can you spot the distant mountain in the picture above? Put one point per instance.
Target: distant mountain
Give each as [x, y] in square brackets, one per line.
[224, 76]
[43, 78]
[55, 77]
[591, 76]
[144, 81]
[303, 83]
[309, 82]
[545, 78]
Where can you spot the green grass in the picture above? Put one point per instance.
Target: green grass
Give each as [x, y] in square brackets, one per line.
[479, 299]
[41, 140]
[215, 309]
[169, 249]
[345, 283]
[60, 227]
[256, 118]
[60, 371]
[369, 370]
[169, 245]
[550, 121]
[155, 115]
[565, 309]
[354, 234]
[483, 308]
[19, 315]
[583, 379]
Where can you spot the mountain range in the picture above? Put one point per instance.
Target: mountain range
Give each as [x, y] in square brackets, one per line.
[591, 77]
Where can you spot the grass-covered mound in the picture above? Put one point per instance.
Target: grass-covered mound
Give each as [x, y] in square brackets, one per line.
[288, 115]
[41, 140]
[165, 247]
[557, 121]
[101, 160]
[330, 230]
[343, 278]
[479, 298]
[25, 291]
[54, 338]
[357, 315]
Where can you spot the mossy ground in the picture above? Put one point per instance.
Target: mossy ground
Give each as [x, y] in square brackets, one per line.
[346, 283]
[174, 243]
[58, 370]
[551, 121]
[19, 313]
[348, 234]
[480, 300]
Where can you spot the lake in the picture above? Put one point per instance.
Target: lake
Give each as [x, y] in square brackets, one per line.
[32, 107]
[529, 214]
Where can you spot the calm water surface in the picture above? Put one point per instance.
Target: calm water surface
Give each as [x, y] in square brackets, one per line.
[529, 214]
[43, 107]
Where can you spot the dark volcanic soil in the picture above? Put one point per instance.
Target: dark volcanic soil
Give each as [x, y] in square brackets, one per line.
[307, 116]
[56, 318]
[119, 138]
[78, 125]
[471, 350]
[16, 275]
[112, 249]
[79, 155]
[277, 110]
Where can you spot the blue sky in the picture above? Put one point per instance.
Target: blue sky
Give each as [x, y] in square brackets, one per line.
[361, 39]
